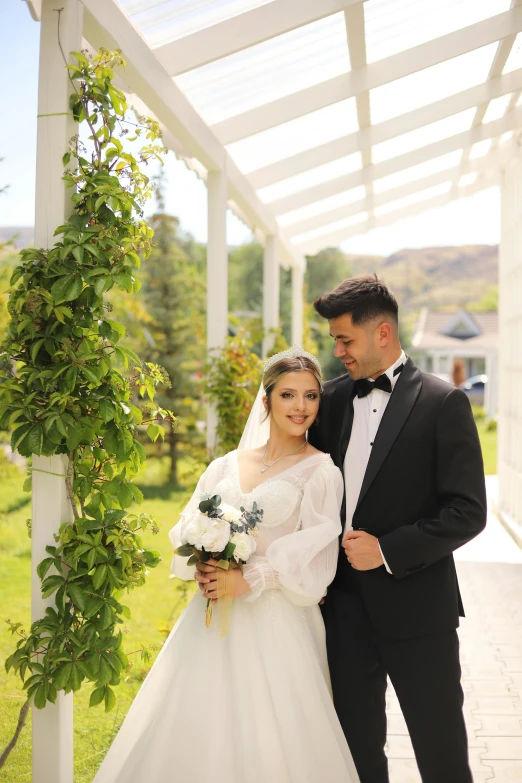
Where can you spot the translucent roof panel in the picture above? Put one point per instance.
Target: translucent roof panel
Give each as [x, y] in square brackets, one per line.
[323, 206]
[431, 84]
[163, 21]
[393, 26]
[304, 133]
[329, 171]
[414, 198]
[436, 131]
[496, 108]
[268, 71]
[514, 61]
[413, 173]
[480, 149]
[360, 217]
[467, 179]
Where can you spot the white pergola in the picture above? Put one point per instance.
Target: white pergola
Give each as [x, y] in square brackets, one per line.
[313, 121]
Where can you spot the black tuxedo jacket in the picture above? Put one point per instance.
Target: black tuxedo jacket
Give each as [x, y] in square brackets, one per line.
[423, 496]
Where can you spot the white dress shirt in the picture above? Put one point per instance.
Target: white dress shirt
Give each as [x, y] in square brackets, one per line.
[367, 415]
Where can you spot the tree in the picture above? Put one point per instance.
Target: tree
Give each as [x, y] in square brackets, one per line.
[324, 272]
[173, 297]
[489, 300]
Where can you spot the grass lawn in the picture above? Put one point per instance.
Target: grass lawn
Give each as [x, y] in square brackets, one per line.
[488, 441]
[154, 609]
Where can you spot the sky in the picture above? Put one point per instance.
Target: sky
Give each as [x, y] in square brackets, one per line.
[475, 220]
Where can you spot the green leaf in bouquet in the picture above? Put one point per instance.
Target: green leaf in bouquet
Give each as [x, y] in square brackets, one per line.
[193, 559]
[210, 504]
[228, 551]
[185, 550]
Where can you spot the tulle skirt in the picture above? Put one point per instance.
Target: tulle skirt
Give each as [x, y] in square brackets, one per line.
[250, 707]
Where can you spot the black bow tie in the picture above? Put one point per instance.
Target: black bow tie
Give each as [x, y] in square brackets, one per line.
[364, 386]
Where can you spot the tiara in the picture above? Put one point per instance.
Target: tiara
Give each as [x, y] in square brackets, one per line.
[291, 353]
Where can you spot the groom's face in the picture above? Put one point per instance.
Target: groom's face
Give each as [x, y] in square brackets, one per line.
[358, 347]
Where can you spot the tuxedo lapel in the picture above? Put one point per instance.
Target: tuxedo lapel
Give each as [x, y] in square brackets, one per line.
[399, 407]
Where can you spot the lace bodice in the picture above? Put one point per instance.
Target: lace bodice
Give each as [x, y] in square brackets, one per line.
[297, 543]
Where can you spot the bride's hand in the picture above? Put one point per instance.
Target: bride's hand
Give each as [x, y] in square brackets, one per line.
[206, 576]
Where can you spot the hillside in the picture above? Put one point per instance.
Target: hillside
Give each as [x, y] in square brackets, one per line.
[438, 277]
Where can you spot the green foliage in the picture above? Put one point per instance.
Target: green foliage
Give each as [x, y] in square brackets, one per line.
[173, 296]
[69, 387]
[324, 272]
[245, 285]
[487, 302]
[232, 379]
[479, 413]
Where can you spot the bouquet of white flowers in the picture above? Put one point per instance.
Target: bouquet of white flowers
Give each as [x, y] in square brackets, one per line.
[221, 532]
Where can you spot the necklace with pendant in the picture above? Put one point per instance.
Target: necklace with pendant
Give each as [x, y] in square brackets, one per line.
[271, 464]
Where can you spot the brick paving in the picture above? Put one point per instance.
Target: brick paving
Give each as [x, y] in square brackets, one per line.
[490, 575]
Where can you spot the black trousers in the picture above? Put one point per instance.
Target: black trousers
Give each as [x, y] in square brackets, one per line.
[425, 673]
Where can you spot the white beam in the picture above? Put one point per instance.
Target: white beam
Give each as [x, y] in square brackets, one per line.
[499, 157]
[510, 121]
[384, 131]
[106, 25]
[270, 293]
[35, 9]
[368, 78]
[497, 66]
[356, 37]
[244, 30]
[52, 727]
[336, 238]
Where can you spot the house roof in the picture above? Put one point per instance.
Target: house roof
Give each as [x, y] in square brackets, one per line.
[436, 330]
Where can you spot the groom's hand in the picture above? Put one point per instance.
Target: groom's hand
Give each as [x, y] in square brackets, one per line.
[362, 550]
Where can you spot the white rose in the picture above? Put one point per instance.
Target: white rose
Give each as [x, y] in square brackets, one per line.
[193, 528]
[216, 536]
[245, 546]
[230, 514]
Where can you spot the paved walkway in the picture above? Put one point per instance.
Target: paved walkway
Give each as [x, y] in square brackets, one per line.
[490, 576]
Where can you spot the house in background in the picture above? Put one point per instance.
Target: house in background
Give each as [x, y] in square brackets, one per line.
[441, 338]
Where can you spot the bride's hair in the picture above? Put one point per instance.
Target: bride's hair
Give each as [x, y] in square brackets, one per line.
[276, 371]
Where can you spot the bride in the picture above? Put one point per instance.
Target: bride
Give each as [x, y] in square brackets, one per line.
[254, 705]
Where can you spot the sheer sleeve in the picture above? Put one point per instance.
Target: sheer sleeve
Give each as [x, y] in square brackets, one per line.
[206, 483]
[302, 564]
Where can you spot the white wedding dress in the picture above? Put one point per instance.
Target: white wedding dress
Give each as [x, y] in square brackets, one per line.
[253, 706]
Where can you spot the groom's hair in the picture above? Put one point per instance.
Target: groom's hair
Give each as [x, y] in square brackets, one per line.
[364, 298]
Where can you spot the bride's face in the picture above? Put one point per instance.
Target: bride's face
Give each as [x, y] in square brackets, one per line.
[294, 402]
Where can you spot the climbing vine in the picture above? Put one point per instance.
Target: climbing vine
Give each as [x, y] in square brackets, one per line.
[68, 386]
[232, 379]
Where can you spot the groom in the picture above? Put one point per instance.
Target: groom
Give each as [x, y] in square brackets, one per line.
[408, 448]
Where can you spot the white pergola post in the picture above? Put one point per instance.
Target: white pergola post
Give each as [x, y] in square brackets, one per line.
[217, 277]
[270, 292]
[510, 353]
[52, 727]
[297, 305]
[491, 390]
